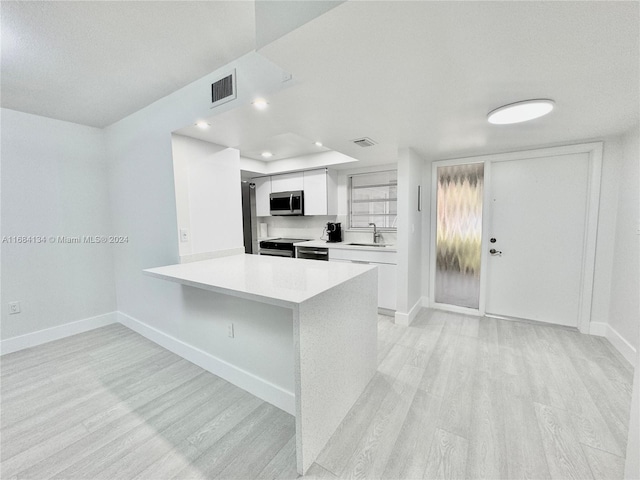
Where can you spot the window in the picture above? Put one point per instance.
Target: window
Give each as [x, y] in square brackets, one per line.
[373, 198]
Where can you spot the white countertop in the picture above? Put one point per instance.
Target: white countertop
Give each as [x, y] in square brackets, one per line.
[345, 245]
[274, 280]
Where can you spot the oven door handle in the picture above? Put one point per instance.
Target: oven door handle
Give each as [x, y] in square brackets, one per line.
[291, 202]
[317, 252]
[274, 252]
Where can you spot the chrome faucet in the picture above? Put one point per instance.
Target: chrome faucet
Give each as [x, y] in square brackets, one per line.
[376, 235]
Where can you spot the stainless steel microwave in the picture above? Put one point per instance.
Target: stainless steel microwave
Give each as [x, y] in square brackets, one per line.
[287, 203]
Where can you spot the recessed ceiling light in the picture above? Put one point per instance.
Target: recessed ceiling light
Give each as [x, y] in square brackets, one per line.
[267, 154]
[520, 111]
[203, 125]
[318, 144]
[260, 103]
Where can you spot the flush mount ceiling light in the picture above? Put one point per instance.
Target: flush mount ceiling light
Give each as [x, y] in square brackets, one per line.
[203, 125]
[318, 144]
[260, 103]
[267, 154]
[520, 111]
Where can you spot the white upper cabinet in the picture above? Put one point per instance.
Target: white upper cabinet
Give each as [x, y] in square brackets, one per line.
[263, 189]
[319, 186]
[287, 182]
[320, 194]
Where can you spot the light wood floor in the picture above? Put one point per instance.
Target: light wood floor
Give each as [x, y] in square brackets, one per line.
[454, 397]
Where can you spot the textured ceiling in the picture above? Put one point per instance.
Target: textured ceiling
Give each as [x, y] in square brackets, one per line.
[425, 74]
[417, 74]
[96, 62]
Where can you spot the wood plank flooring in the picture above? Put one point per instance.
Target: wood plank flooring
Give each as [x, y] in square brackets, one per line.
[454, 397]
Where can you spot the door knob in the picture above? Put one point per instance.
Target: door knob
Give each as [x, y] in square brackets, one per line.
[493, 251]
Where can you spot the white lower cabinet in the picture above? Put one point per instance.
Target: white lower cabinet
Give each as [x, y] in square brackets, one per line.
[387, 284]
[387, 272]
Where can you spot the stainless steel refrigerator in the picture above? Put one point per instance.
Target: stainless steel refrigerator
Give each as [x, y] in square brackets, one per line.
[249, 219]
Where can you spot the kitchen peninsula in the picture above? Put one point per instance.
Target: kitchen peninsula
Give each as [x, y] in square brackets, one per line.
[333, 308]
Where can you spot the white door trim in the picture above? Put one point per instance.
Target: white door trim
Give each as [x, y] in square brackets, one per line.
[591, 233]
[594, 150]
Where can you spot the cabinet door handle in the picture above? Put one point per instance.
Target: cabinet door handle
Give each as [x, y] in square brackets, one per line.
[360, 261]
[291, 202]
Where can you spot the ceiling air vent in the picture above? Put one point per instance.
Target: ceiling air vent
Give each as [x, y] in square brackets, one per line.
[223, 90]
[364, 142]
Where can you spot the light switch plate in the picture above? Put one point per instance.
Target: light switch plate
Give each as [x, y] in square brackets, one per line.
[184, 235]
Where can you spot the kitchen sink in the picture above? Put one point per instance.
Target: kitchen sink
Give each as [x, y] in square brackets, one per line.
[367, 244]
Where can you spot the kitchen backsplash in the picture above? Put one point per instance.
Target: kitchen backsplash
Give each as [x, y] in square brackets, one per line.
[313, 228]
[296, 227]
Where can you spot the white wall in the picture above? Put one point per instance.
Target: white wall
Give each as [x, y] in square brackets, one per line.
[215, 202]
[615, 277]
[143, 196]
[208, 199]
[624, 313]
[426, 230]
[410, 244]
[183, 149]
[54, 182]
[632, 461]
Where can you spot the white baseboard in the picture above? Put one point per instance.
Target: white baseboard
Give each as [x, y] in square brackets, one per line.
[47, 335]
[598, 328]
[462, 310]
[249, 382]
[627, 350]
[406, 318]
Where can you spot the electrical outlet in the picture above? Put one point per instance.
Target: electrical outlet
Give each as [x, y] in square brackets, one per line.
[184, 235]
[14, 307]
[230, 330]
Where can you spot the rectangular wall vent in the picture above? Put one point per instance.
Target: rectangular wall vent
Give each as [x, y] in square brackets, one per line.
[223, 90]
[364, 142]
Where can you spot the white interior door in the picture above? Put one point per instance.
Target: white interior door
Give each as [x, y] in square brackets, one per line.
[538, 217]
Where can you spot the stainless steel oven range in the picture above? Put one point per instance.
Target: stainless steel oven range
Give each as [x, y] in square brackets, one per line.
[280, 247]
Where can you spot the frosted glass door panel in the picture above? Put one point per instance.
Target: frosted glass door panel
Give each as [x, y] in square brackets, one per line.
[459, 234]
